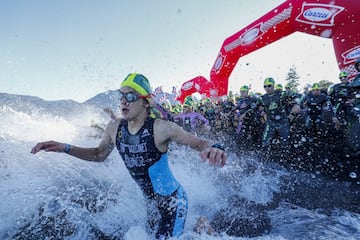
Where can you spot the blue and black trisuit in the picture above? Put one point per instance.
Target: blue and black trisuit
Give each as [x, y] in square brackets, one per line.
[149, 168]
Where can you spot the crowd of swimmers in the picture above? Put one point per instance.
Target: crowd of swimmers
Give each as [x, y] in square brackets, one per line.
[317, 129]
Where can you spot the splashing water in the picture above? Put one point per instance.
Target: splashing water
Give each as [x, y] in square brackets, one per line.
[55, 195]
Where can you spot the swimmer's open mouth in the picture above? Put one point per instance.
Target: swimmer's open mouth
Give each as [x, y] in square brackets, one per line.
[124, 110]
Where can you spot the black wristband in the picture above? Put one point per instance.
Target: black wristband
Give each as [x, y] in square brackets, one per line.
[219, 146]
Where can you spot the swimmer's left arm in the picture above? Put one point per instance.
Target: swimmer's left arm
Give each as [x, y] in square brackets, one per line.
[169, 131]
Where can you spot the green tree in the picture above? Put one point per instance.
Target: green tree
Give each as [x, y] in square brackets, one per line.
[324, 84]
[292, 79]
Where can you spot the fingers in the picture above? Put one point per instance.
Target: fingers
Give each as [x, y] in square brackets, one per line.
[220, 158]
[215, 156]
[48, 146]
[37, 147]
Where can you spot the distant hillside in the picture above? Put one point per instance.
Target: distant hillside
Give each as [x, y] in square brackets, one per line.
[107, 99]
[28, 104]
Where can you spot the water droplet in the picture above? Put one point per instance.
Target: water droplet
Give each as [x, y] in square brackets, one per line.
[326, 33]
[353, 174]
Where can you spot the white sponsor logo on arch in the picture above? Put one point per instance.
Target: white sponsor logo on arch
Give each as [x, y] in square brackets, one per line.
[351, 55]
[318, 14]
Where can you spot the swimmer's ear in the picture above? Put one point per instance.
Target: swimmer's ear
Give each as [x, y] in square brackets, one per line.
[146, 103]
[150, 101]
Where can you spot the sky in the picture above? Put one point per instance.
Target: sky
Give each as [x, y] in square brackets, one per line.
[76, 49]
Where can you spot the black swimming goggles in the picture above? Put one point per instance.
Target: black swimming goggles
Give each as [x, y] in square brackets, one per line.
[131, 96]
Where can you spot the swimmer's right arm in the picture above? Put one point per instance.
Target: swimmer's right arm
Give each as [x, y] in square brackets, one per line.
[97, 154]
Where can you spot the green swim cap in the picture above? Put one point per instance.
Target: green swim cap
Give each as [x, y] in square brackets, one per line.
[188, 103]
[189, 98]
[244, 88]
[269, 81]
[207, 100]
[177, 109]
[343, 74]
[138, 82]
[279, 87]
[315, 86]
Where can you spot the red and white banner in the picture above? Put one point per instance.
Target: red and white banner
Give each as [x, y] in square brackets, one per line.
[336, 19]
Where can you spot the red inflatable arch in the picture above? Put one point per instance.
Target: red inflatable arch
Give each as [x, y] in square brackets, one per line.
[335, 19]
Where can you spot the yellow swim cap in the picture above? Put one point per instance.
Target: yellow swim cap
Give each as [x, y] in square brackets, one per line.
[138, 82]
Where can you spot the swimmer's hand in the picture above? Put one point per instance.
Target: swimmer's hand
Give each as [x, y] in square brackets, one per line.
[215, 155]
[49, 146]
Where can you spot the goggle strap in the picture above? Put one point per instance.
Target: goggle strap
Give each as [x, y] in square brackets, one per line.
[147, 96]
